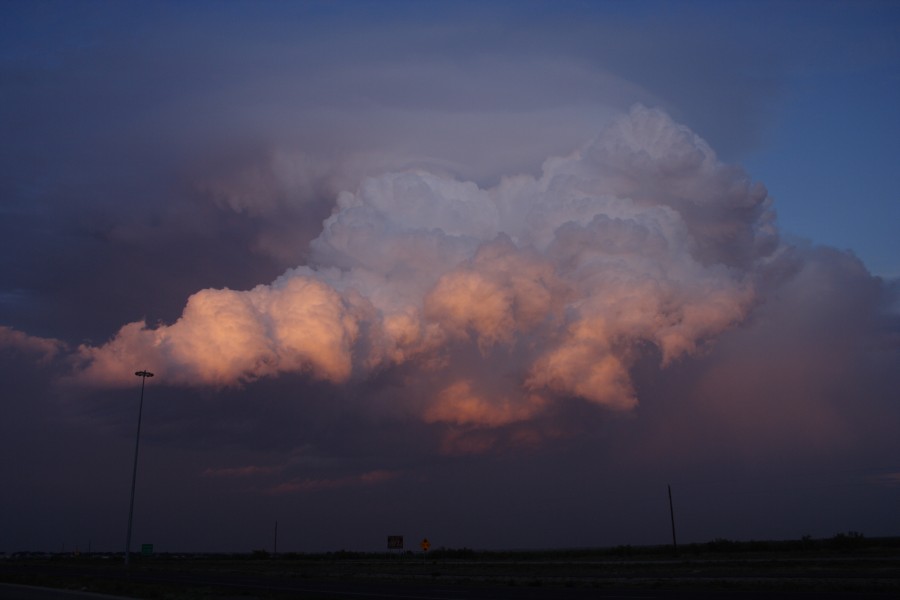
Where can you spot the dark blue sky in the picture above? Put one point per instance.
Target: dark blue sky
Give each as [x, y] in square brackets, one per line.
[490, 274]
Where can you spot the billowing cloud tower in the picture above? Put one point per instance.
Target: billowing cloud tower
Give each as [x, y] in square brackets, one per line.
[494, 302]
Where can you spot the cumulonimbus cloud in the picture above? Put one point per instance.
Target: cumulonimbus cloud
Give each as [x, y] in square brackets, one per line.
[639, 237]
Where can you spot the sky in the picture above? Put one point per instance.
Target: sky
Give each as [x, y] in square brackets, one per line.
[494, 274]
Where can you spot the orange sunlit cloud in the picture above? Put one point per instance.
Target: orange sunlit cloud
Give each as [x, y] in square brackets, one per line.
[556, 280]
[226, 336]
[460, 404]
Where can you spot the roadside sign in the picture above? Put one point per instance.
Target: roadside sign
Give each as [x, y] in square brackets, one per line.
[146, 549]
[395, 542]
[425, 545]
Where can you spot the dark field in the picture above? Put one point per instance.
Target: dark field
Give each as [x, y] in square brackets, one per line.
[843, 566]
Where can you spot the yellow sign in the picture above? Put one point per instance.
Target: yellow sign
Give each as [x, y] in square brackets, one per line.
[425, 545]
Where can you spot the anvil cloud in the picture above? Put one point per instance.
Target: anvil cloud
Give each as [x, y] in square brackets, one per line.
[641, 236]
[488, 273]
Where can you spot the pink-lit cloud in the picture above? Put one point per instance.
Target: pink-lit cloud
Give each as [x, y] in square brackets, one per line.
[639, 237]
[46, 349]
[347, 262]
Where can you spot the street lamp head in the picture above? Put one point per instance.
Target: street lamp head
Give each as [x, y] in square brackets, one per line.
[143, 373]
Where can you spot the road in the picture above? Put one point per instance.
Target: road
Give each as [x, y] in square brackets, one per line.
[457, 580]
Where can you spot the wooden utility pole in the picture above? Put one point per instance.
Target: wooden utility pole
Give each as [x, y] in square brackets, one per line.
[672, 517]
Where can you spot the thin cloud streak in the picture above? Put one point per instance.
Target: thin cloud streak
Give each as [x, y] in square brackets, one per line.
[297, 486]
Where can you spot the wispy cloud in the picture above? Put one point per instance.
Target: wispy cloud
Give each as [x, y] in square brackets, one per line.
[887, 479]
[46, 349]
[238, 472]
[297, 486]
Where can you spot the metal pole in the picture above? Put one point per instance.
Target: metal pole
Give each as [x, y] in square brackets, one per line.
[137, 440]
[672, 516]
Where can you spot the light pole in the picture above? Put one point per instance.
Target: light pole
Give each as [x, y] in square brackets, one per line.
[672, 516]
[137, 440]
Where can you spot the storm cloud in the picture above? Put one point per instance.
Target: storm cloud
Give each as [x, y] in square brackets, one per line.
[491, 274]
[641, 236]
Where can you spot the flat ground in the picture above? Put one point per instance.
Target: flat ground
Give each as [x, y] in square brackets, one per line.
[840, 567]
